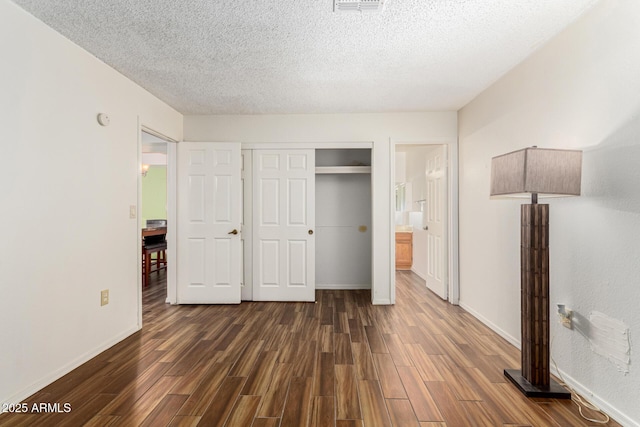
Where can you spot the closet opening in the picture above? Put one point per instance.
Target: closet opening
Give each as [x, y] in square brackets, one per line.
[343, 219]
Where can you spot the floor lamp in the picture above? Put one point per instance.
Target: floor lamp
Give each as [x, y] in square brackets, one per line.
[545, 172]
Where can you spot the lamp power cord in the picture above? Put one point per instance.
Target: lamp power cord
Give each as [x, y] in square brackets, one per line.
[580, 402]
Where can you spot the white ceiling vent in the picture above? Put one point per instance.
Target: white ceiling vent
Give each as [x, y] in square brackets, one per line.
[358, 5]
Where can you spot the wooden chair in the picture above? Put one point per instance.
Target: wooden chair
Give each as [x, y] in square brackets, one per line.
[153, 245]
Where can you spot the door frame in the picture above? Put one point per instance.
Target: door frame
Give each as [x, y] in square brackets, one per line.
[453, 294]
[246, 230]
[386, 152]
[171, 215]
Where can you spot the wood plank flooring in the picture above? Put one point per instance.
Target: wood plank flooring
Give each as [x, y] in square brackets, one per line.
[340, 362]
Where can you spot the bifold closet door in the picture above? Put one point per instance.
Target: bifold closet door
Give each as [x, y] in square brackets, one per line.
[284, 225]
[209, 217]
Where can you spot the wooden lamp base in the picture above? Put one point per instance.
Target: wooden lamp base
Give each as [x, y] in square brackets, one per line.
[553, 391]
[534, 379]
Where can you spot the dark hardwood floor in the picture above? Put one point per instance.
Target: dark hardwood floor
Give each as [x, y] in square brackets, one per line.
[339, 362]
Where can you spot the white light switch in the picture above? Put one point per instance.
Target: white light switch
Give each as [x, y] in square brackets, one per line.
[132, 212]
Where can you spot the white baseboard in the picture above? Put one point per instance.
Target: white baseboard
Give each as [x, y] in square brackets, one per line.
[342, 287]
[59, 373]
[596, 400]
[419, 274]
[512, 340]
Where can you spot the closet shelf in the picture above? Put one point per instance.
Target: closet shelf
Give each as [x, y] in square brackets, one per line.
[342, 169]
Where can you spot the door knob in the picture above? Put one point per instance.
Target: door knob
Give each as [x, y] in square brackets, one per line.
[426, 227]
[234, 231]
[310, 231]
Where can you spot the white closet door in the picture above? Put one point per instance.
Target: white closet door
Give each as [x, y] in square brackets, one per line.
[284, 221]
[435, 216]
[209, 218]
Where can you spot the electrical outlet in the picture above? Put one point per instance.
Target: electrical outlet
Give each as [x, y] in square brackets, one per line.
[104, 297]
[565, 316]
[566, 321]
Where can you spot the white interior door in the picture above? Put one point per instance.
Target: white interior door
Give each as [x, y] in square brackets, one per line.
[209, 218]
[435, 220]
[284, 221]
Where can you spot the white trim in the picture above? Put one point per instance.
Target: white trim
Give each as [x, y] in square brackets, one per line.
[138, 223]
[392, 219]
[157, 134]
[382, 301]
[246, 230]
[342, 169]
[453, 220]
[59, 373]
[583, 391]
[172, 220]
[512, 340]
[172, 216]
[342, 287]
[304, 145]
[420, 275]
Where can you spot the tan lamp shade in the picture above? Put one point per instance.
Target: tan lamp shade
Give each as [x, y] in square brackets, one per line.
[543, 171]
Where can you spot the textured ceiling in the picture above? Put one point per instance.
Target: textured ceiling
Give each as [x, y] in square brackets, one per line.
[298, 56]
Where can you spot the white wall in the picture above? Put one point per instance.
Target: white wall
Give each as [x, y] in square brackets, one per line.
[416, 166]
[581, 90]
[376, 128]
[66, 185]
[401, 167]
